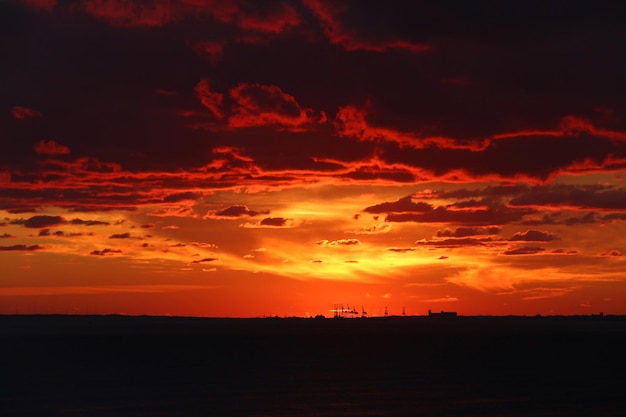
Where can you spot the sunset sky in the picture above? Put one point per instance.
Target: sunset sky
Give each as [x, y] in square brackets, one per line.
[256, 158]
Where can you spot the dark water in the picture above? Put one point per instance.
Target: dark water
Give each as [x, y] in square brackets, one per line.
[468, 366]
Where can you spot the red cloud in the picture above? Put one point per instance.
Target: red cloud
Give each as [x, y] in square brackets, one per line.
[210, 99]
[279, 19]
[51, 148]
[210, 48]
[23, 113]
[575, 125]
[328, 13]
[351, 122]
[577, 147]
[46, 5]
[123, 13]
[260, 105]
[256, 105]
[459, 81]
[157, 13]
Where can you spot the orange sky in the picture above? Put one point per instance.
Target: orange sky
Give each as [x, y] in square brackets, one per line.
[250, 159]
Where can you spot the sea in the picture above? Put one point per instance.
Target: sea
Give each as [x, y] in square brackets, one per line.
[386, 366]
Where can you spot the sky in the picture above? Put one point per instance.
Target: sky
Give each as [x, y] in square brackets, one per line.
[276, 158]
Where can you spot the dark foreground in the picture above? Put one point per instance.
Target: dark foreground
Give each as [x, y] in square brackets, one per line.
[465, 366]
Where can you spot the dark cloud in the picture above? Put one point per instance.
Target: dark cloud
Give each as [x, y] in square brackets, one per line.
[406, 210]
[564, 252]
[610, 217]
[203, 245]
[120, 236]
[203, 260]
[504, 159]
[454, 243]
[61, 233]
[533, 236]
[553, 218]
[89, 222]
[339, 242]
[610, 254]
[579, 196]
[368, 173]
[6, 236]
[236, 211]
[178, 197]
[524, 250]
[401, 250]
[469, 231]
[344, 242]
[42, 221]
[373, 229]
[402, 205]
[535, 120]
[106, 251]
[274, 221]
[497, 191]
[21, 248]
[498, 216]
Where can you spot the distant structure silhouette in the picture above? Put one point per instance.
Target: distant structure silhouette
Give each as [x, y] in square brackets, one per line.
[442, 314]
[341, 311]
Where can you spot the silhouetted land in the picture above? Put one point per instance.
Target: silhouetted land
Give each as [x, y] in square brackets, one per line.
[413, 366]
